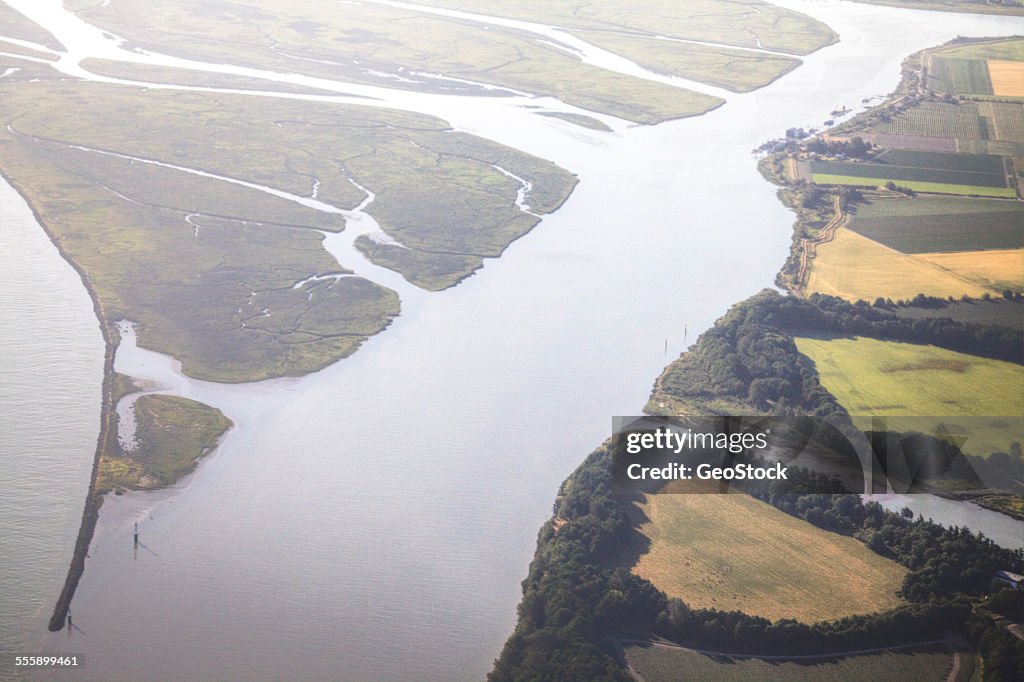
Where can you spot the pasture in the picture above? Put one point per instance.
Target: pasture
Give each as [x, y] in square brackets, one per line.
[667, 664]
[736, 552]
[908, 382]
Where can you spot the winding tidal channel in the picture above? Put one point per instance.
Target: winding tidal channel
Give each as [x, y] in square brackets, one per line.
[374, 520]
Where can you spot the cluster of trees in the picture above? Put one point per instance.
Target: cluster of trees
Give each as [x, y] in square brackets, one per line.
[575, 598]
[572, 598]
[737, 632]
[829, 314]
[856, 148]
[1003, 653]
[747, 357]
[935, 302]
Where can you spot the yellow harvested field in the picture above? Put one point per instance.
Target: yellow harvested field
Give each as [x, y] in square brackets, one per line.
[735, 552]
[1007, 77]
[1001, 269]
[852, 266]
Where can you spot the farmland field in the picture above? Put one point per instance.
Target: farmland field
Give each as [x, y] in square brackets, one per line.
[901, 165]
[854, 267]
[668, 664]
[928, 187]
[1012, 49]
[997, 311]
[871, 377]
[736, 552]
[937, 119]
[940, 224]
[998, 269]
[959, 76]
[986, 164]
[1007, 77]
[1005, 120]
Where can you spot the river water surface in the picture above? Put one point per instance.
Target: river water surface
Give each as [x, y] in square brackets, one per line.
[374, 520]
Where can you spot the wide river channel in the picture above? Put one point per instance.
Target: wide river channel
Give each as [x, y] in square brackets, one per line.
[374, 520]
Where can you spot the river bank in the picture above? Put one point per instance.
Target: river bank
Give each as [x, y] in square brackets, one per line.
[439, 607]
[104, 441]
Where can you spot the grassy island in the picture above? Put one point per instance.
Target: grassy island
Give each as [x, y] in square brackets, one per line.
[171, 435]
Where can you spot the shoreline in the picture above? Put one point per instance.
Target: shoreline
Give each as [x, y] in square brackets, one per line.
[93, 502]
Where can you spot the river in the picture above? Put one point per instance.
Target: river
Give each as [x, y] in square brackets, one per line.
[374, 520]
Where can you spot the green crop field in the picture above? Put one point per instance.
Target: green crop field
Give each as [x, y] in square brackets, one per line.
[667, 664]
[902, 166]
[736, 552]
[940, 224]
[985, 164]
[959, 76]
[1005, 120]
[928, 187]
[938, 119]
[908, 382]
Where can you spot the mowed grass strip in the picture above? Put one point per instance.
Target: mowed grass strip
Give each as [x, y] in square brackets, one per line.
[998, 269]
[870, 377]
[854, 267]
[667, 664]
[1007, 77]
[736, 552]
[917, 186]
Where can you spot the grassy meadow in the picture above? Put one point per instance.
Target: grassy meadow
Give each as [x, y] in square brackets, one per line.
[735, 552]
[870, 377]
[666, 664]
[382, 45]
[210, 270]
[172, 434]
[736, 70]
[716, 21]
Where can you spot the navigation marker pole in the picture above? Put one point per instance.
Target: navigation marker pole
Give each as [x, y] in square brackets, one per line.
[136, 534]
